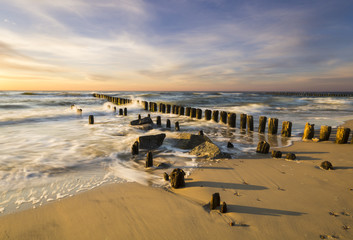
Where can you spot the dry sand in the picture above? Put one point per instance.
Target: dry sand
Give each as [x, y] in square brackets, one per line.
[267, 199]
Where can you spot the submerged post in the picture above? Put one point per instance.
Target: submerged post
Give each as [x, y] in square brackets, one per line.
[243, 117]
[198, 113]
[272, 126]
[90, 119]
[223, 117]
[232, 120]
[215, 115]
[262, 124]
[208, 114]
[250, 122]
[149, 160]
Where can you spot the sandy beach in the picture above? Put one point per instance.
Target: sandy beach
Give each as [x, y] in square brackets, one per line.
[267, 199]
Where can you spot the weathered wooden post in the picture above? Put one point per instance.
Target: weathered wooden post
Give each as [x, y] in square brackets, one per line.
[173, 109]
[262, 124]
[181, 110]
[168, 108]
[193, 113]
[215, 115]
[198, 113]
[163, 108]
[224, 207]
[208, 114]
[215, 201]
[90, 119]
[139, 117]
[145, 105]
[232, 120]
[308, 131]
[125, 111]
[121, 111]
[149, 159]
[135, 148]
[325, 132]
[342, 135]
[177, 127]
[286, 129]
[250, 122]
[263, 147]
[243, 117]
[223, 117]
[168, 124]
[177, 178]
[177, 110]
[166, 176]
[159, 121]
[272, 126]
[187, 111]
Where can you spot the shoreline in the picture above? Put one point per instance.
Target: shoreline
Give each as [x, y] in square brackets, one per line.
[262, 194]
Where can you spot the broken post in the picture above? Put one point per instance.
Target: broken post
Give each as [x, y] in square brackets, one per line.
[325, 132]
[286, 129]
[90, 119]
[149, 159]
[262, 124]
[308, 131]
[272, 126]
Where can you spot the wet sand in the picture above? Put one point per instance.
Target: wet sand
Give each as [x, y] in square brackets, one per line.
[267, 199]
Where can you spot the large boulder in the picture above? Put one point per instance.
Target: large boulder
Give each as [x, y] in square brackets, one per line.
[208, 150]
[151, 141]
[190, 141]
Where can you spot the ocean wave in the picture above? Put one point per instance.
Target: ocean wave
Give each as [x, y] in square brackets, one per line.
[13, 106]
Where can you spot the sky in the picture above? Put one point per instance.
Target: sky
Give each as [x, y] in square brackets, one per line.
[176, 45]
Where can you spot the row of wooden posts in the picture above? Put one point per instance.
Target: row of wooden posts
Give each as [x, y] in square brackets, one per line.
[342, 134]
[246, 121]
[312, 94]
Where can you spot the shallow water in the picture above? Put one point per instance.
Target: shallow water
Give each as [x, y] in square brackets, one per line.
[48, 151]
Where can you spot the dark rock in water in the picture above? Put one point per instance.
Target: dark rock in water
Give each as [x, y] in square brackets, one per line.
[149, 160]
[276, 154]
[215, 201]
[263, 147]
[189, 141]
[209, 150]
[223, 207]
[146, 120]
[291, 156]
[166, 176]
[163, 166]
[151, 141]
[201, 133]
[230, 145]
[135, 148]
[177, 178]
[326, 165]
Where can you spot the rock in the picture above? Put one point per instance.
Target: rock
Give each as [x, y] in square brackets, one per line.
[291, 156]
[166, 176]
[201, 133]
[263, 147]
[151, 141]
[177, 178]
[230, 145]
[189, 141]
[223, 207]
[208, 150]
[146, 120]
[215, 201]
[163, 166]
[276, 154]
[145, 127]
[326, 165]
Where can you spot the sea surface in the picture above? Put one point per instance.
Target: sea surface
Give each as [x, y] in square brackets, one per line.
[48, 151]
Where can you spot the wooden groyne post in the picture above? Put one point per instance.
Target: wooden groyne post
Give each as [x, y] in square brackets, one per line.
[272, 126]
[262, 124]
[308, 131]
[286, 129]
[325, 132]
[342, 135]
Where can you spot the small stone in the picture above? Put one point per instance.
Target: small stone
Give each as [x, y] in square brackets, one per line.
[291, 156]
[326, 165]
[276, 154]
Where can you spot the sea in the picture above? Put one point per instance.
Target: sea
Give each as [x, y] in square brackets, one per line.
[48, 151]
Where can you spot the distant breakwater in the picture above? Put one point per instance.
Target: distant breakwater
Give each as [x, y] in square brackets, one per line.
[313, 94]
